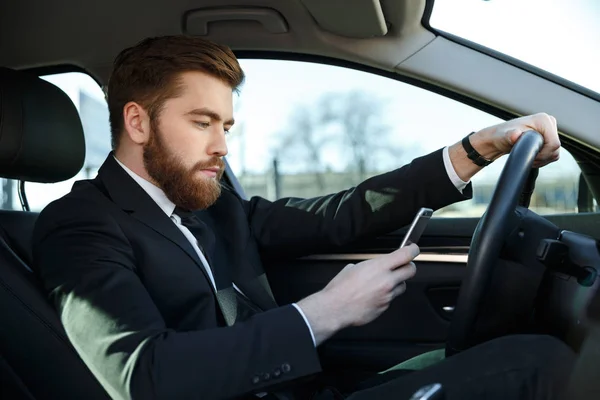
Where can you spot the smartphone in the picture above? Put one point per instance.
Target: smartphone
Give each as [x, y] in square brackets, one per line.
[417, 227]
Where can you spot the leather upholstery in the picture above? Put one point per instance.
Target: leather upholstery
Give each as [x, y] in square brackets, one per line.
[41, 140]
[41, 136]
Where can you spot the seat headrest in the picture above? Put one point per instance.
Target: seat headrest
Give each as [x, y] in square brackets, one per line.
[41, 136]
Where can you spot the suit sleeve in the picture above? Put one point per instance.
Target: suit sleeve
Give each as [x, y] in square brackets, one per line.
[88, 268]
[377, 206]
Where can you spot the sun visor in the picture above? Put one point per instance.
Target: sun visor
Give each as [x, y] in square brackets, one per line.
[363, 19]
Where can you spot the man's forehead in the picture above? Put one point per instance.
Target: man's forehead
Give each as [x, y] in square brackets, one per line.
[200, 83]
[198, 91]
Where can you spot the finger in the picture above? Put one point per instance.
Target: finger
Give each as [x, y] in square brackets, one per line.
[380, 310]
[554, 122]
[399, 289]
[548, 128]
[404, 273]
[549, 155]
[543, 159]
[397, 258]
[551, 143]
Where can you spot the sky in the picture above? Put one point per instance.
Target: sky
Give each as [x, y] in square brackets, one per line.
[540, 32]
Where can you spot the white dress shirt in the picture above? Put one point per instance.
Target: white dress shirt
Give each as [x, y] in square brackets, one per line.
[454, 178]
[161, 199]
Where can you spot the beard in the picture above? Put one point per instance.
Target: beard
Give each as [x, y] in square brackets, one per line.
[183, 186]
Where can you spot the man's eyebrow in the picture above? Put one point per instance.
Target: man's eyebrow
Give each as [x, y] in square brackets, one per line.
[205, 112]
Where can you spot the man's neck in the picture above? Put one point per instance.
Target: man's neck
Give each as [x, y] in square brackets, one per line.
[134, 164]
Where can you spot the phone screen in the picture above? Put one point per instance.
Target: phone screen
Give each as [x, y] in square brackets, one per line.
[417, 227]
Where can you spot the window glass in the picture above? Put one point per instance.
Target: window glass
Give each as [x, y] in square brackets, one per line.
[88, 98]
[308, 129]
[559, 36]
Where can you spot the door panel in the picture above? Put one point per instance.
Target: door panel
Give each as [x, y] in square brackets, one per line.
[415, 322]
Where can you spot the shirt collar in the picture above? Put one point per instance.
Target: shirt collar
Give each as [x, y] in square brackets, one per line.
[156, 193]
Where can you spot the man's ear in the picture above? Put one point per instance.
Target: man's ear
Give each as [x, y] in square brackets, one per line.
[136, 122]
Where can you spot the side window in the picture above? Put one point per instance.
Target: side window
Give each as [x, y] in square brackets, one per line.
[308, 129]
[88, 98]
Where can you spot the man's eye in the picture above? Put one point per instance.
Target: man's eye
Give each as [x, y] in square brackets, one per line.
[203, 125]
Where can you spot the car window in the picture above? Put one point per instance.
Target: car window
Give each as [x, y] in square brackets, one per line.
[307, 129]
[320, 134]
[567, 29]
[88, 98]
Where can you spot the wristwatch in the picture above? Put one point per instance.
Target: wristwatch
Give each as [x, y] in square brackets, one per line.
[473, 154]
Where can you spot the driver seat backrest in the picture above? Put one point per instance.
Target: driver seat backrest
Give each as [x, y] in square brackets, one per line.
[41, 140]
[16, 228]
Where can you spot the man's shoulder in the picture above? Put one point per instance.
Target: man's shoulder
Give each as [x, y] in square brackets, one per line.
[229, 200]
[86, 199]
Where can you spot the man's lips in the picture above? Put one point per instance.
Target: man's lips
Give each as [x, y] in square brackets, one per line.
[211, 171]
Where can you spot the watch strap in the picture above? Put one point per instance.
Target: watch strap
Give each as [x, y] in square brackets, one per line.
[473, 154]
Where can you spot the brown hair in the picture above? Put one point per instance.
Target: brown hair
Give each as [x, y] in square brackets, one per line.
[147, 73]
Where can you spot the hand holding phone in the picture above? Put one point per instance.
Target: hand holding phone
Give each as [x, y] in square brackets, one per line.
[417, 227]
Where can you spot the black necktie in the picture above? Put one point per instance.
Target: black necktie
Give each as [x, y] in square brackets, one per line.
[234, 305]
[206, 242]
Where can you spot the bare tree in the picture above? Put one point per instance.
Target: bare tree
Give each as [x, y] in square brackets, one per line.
[354, 118]
[303, 140]
[358, 118]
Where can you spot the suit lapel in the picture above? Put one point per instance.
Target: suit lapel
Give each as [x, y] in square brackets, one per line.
[125, 192]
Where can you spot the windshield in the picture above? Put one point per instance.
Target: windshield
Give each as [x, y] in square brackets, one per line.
[559, 36]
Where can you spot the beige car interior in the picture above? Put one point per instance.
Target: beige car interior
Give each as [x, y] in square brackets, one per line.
[381, 35]
[386, 34]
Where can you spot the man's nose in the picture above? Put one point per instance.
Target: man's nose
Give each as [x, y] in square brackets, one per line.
[218, 144]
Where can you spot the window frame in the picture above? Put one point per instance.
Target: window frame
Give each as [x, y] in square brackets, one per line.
[515, 62]
[63, 69]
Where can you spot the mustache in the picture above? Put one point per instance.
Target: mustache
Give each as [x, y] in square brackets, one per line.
[213, 162]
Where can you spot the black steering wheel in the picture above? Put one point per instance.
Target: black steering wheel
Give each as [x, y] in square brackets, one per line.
[488, 240]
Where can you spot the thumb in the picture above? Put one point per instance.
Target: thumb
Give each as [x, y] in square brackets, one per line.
[401, 256]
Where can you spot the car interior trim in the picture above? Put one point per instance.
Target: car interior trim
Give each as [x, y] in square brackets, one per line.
[423, 257]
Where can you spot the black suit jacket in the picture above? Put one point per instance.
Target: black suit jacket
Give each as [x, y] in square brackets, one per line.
[137, 305]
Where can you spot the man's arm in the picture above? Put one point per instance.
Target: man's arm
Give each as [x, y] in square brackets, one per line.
[376, 206]
[88, 267]
[386, 202]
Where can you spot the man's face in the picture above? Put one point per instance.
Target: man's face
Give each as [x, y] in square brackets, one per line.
[187, 143]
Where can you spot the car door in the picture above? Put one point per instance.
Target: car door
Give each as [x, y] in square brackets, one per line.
[307, 129]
